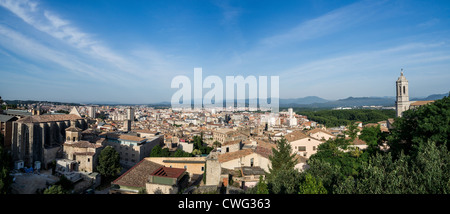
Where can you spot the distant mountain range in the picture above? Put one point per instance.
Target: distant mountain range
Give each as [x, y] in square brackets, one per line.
[305, 102]
[350, 101]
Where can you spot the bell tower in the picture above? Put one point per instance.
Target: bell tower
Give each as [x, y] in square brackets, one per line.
[402, 96]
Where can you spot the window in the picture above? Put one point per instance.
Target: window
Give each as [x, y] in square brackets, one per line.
[203, 168]
[89, 160]
[302, 148]
[314, 148]
[309, 139]
[228, 149]
[404, 91]
[185, 167]
[251, 162]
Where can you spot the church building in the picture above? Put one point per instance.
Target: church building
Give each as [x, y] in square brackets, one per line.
[38, 139]
[402, 102]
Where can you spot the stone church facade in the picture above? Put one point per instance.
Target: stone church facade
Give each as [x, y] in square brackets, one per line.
[40, 138]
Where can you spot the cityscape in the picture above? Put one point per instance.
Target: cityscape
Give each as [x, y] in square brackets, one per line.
[224, 98]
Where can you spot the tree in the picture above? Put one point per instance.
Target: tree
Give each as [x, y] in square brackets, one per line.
[311, 186]
[373, 137]
[284, 181]
[217, 144]
[109, 162]
[261, 186]
[282, 177]
[181, 153]
[281, 157]
[426, 173]
[55, 189]
[156, 151]
[352, 131]
[196, 152]
[5, 167]
[417, 126]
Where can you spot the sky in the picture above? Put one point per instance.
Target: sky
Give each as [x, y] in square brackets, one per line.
[129, 51]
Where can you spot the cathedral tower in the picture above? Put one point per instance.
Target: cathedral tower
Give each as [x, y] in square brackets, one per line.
[402, 97]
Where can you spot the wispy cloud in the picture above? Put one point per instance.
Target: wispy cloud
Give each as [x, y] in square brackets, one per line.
[331, 22]
[62, 47]
[87, 47]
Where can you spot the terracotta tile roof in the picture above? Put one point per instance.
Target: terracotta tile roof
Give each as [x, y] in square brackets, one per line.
[225, 131]
[74, 129]
[168, 172]
[231, 142]
[48, 118]
[296, 135]
[131, 138]
[138, 175]
[85, 153]
[82, 144]
[123, 137]
[263, 151]
[420, 103]
[145, 131]
[234, 155]
[318, 130]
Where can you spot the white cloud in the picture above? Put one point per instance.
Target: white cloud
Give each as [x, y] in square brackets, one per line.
[336, 20]
[95, 58]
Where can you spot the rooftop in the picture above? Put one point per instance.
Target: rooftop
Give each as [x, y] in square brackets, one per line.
[48, 118]
[168, 172]
[420, 103]
[296, 135]
[233, 155]
[246, 170]
[137, 176]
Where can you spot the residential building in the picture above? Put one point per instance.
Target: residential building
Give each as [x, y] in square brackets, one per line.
[131, 149]
[320, 134]
[302, 144]
[151, 178]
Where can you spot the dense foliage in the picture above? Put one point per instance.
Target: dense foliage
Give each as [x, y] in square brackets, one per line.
[5, 167]
[334, 118]
[200, 145]
[109, 162]
[418, 161]
[416, 127]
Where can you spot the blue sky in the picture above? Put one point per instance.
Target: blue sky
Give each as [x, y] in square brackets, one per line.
[129, 51]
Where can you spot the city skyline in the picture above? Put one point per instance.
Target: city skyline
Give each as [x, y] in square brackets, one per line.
[128, 52]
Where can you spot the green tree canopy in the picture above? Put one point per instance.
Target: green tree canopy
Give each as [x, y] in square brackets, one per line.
[55, 189]
[5, 167]
[311, 185]
[261, 186]
[281, 157]
[417, 126]
[109, 162]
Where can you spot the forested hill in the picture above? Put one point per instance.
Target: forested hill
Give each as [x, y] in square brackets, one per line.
[333, 118]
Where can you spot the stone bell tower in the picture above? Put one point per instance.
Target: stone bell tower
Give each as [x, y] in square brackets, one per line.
[402, 97]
